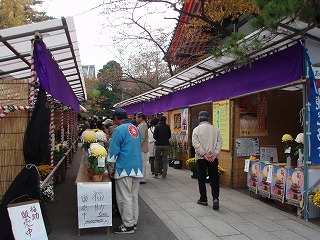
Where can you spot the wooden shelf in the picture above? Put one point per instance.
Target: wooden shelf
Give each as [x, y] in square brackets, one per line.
[82, 175]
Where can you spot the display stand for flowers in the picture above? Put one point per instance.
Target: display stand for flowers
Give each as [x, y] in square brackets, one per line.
[98, 194]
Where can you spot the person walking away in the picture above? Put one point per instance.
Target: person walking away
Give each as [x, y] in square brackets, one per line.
[85, 125]
[162, 134]
[125, 166]
[207, 142]
[99, 123]
[152, 150]
[93, 123]
[143, 127]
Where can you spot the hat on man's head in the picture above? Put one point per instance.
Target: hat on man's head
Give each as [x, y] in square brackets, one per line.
[120, 113]
[203, 114]
[108, 122]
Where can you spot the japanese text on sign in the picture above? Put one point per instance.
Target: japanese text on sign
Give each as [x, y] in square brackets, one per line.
[26, 220]
[94, 205]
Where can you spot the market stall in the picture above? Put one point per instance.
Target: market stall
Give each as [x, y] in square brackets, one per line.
[41, 87]
[254, 104]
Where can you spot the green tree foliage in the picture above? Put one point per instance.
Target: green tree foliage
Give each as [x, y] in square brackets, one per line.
[104, 91]
[110, 76]
[19, 12]
[273, 11]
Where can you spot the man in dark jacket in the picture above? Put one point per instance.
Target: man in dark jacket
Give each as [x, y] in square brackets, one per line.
[162, 134]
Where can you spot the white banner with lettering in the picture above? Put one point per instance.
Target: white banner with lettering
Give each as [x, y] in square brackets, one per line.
[94, 204]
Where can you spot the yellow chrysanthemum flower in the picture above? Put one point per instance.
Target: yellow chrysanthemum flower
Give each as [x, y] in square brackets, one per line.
[191, 161]
[287, 138]
[89, 137]
[44, 170]
[221, 170]
[315, 198]
[98, 151]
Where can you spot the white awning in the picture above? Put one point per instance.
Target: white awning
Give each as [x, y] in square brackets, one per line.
[287, 35]
[59, 35]
[145, 97]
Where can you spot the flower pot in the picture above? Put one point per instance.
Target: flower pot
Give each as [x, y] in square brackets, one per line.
[90, 173]
[177, 164]
[193, 174]
[171, 162]
[97, 177]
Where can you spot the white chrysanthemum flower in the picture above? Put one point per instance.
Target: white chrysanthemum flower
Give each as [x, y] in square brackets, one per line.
[100, 136]
[57, 147]
[64, 144]
[300, 138]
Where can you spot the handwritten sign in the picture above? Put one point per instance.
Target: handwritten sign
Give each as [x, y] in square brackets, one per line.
[26, 220]
[94, 205]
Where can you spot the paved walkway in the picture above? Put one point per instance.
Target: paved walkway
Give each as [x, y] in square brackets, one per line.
[240, 216]
[168, 210]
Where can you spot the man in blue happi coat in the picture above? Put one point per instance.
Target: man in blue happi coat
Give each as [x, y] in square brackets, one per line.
[125, 162]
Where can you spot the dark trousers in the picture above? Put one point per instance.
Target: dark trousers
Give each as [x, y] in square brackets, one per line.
[212, 168]
[152, 161]
[161, 159]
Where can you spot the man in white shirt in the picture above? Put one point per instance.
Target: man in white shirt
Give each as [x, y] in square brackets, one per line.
[143, 127]
[207, 141]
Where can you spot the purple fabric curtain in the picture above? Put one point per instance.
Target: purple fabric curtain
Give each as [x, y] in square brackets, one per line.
[277, 69]
[51, 77]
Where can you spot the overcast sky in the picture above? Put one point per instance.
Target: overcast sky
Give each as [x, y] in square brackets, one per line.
[95, 43]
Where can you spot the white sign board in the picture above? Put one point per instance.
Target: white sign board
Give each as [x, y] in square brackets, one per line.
[268, 154]
[246, 165]
[94, 204]
[26, 221]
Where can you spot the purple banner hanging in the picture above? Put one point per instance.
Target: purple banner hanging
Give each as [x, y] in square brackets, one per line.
[274, 70]
[51, 77]
[314, 114]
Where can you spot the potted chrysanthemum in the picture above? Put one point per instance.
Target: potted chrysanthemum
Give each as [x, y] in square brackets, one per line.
[315, 197]
[287, 139]
[192, 165]
[96, 161]
[100, 136]
[221, 170]
[88, 138]
[299, 149]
